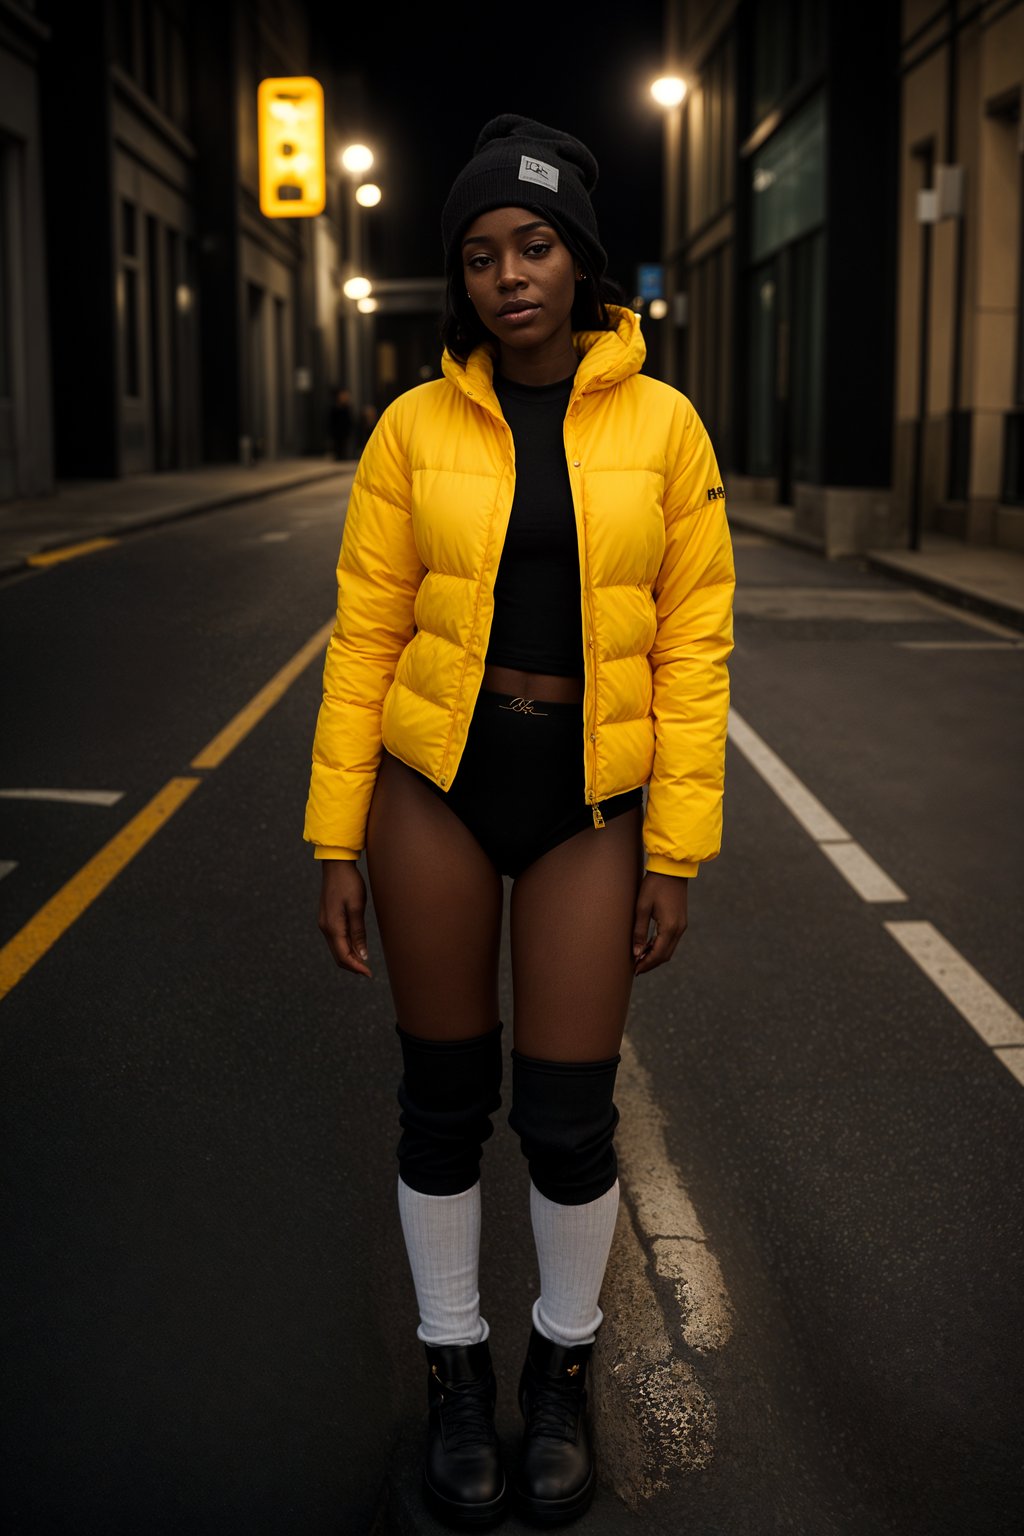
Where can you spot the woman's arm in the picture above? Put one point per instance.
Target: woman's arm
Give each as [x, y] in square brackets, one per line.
[693, 596]
[379, 574]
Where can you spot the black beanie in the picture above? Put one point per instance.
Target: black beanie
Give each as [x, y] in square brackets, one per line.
[519, 163]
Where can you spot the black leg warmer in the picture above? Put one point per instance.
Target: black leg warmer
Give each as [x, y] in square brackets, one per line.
[448, 1092]
[563, 1114]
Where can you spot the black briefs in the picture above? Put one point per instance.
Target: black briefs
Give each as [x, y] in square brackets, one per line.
[519, 787]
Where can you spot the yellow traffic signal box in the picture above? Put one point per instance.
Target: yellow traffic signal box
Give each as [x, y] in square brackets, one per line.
[291, 129]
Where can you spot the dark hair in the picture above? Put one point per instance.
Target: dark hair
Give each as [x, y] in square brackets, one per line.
[462, 329]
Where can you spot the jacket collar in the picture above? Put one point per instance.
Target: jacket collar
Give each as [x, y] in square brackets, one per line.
[606, 358]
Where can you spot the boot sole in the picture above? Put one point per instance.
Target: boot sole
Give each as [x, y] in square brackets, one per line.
[473, 1516]
[555, 1511]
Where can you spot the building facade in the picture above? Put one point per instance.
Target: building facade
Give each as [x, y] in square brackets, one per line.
[843, 245]
[26, 418]
[151, 318]
[781, 250]
[959, 432]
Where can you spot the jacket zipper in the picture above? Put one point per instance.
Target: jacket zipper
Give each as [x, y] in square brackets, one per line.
[595, 804]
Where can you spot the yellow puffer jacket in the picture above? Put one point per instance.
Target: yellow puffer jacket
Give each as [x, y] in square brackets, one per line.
[423, 537]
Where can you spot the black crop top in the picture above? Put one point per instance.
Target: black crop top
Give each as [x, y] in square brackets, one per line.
[537, 623]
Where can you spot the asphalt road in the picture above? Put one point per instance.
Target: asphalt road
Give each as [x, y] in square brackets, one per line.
[207, 1321]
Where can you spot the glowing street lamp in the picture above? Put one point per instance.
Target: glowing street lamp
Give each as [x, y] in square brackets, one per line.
[357, 288]
[366, 306]
[356, 159]
[668, 91]
[368, 195]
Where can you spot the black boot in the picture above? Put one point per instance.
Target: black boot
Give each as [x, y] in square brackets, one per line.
[463, 1477]
[556, 1475]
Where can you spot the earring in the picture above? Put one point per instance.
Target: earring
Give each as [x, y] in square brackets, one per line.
[581, 277]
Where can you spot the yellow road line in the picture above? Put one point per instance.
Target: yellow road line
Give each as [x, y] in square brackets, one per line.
[225, 741]
[69, 551]
[41, 932]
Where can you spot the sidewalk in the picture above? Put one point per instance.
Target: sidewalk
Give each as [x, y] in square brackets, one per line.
[41, 530]
[984, 580]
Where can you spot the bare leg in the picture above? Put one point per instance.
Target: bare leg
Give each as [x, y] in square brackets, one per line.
[572, 926]
[438, 900]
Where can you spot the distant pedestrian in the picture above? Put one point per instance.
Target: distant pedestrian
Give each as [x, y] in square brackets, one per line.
[367, 422]
[340, 424]
[534, 619]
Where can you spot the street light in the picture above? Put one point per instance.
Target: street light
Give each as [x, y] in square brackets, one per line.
[356, 159]
[357, 288]
[368, 195]
[668, 91]
[366, 306]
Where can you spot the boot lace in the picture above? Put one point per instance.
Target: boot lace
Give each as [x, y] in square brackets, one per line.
[466, 1409]
[553, 1412]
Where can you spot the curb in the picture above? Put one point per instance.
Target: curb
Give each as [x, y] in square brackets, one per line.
[959, 596]
[788, 536]
[177, 514]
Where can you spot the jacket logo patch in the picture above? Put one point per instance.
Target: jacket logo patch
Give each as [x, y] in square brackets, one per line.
[539, 171]
[715, 493]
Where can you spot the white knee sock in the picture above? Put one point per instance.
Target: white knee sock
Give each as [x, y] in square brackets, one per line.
[572, 1251]
[442, 1238]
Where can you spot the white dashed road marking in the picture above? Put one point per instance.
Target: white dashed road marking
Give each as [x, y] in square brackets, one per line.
[868, 879]
[794, 794]
[981, 1005]
[66, 796]
[999, 1025]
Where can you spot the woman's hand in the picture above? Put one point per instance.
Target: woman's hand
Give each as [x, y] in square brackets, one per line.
[661, 901]
[342, 917]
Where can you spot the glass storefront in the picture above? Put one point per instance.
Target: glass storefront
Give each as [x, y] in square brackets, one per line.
[786, 301]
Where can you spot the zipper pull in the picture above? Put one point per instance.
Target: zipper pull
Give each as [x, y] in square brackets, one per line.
[598, 818]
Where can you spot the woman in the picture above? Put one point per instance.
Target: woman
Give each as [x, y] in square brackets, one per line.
[535, 590]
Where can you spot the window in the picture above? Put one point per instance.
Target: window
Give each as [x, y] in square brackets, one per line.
[6, 386]
[806, 371]
[130, 297]
[789, 46]
[787, 181]
[761, 310]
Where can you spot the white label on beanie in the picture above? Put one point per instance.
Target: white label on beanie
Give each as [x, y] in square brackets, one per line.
[539, 171]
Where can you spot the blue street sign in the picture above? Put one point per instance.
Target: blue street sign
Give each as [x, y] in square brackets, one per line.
[650, 281]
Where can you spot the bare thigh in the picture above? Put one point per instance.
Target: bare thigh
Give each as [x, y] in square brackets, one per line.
[438, 901]
[572, 928]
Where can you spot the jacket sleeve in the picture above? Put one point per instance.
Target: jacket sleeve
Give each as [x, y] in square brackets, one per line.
[379, 573]
[693, 599]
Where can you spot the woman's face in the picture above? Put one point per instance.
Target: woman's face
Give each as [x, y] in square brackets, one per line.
[521, 278]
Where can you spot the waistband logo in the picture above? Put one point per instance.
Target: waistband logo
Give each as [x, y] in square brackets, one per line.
[522, 707]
